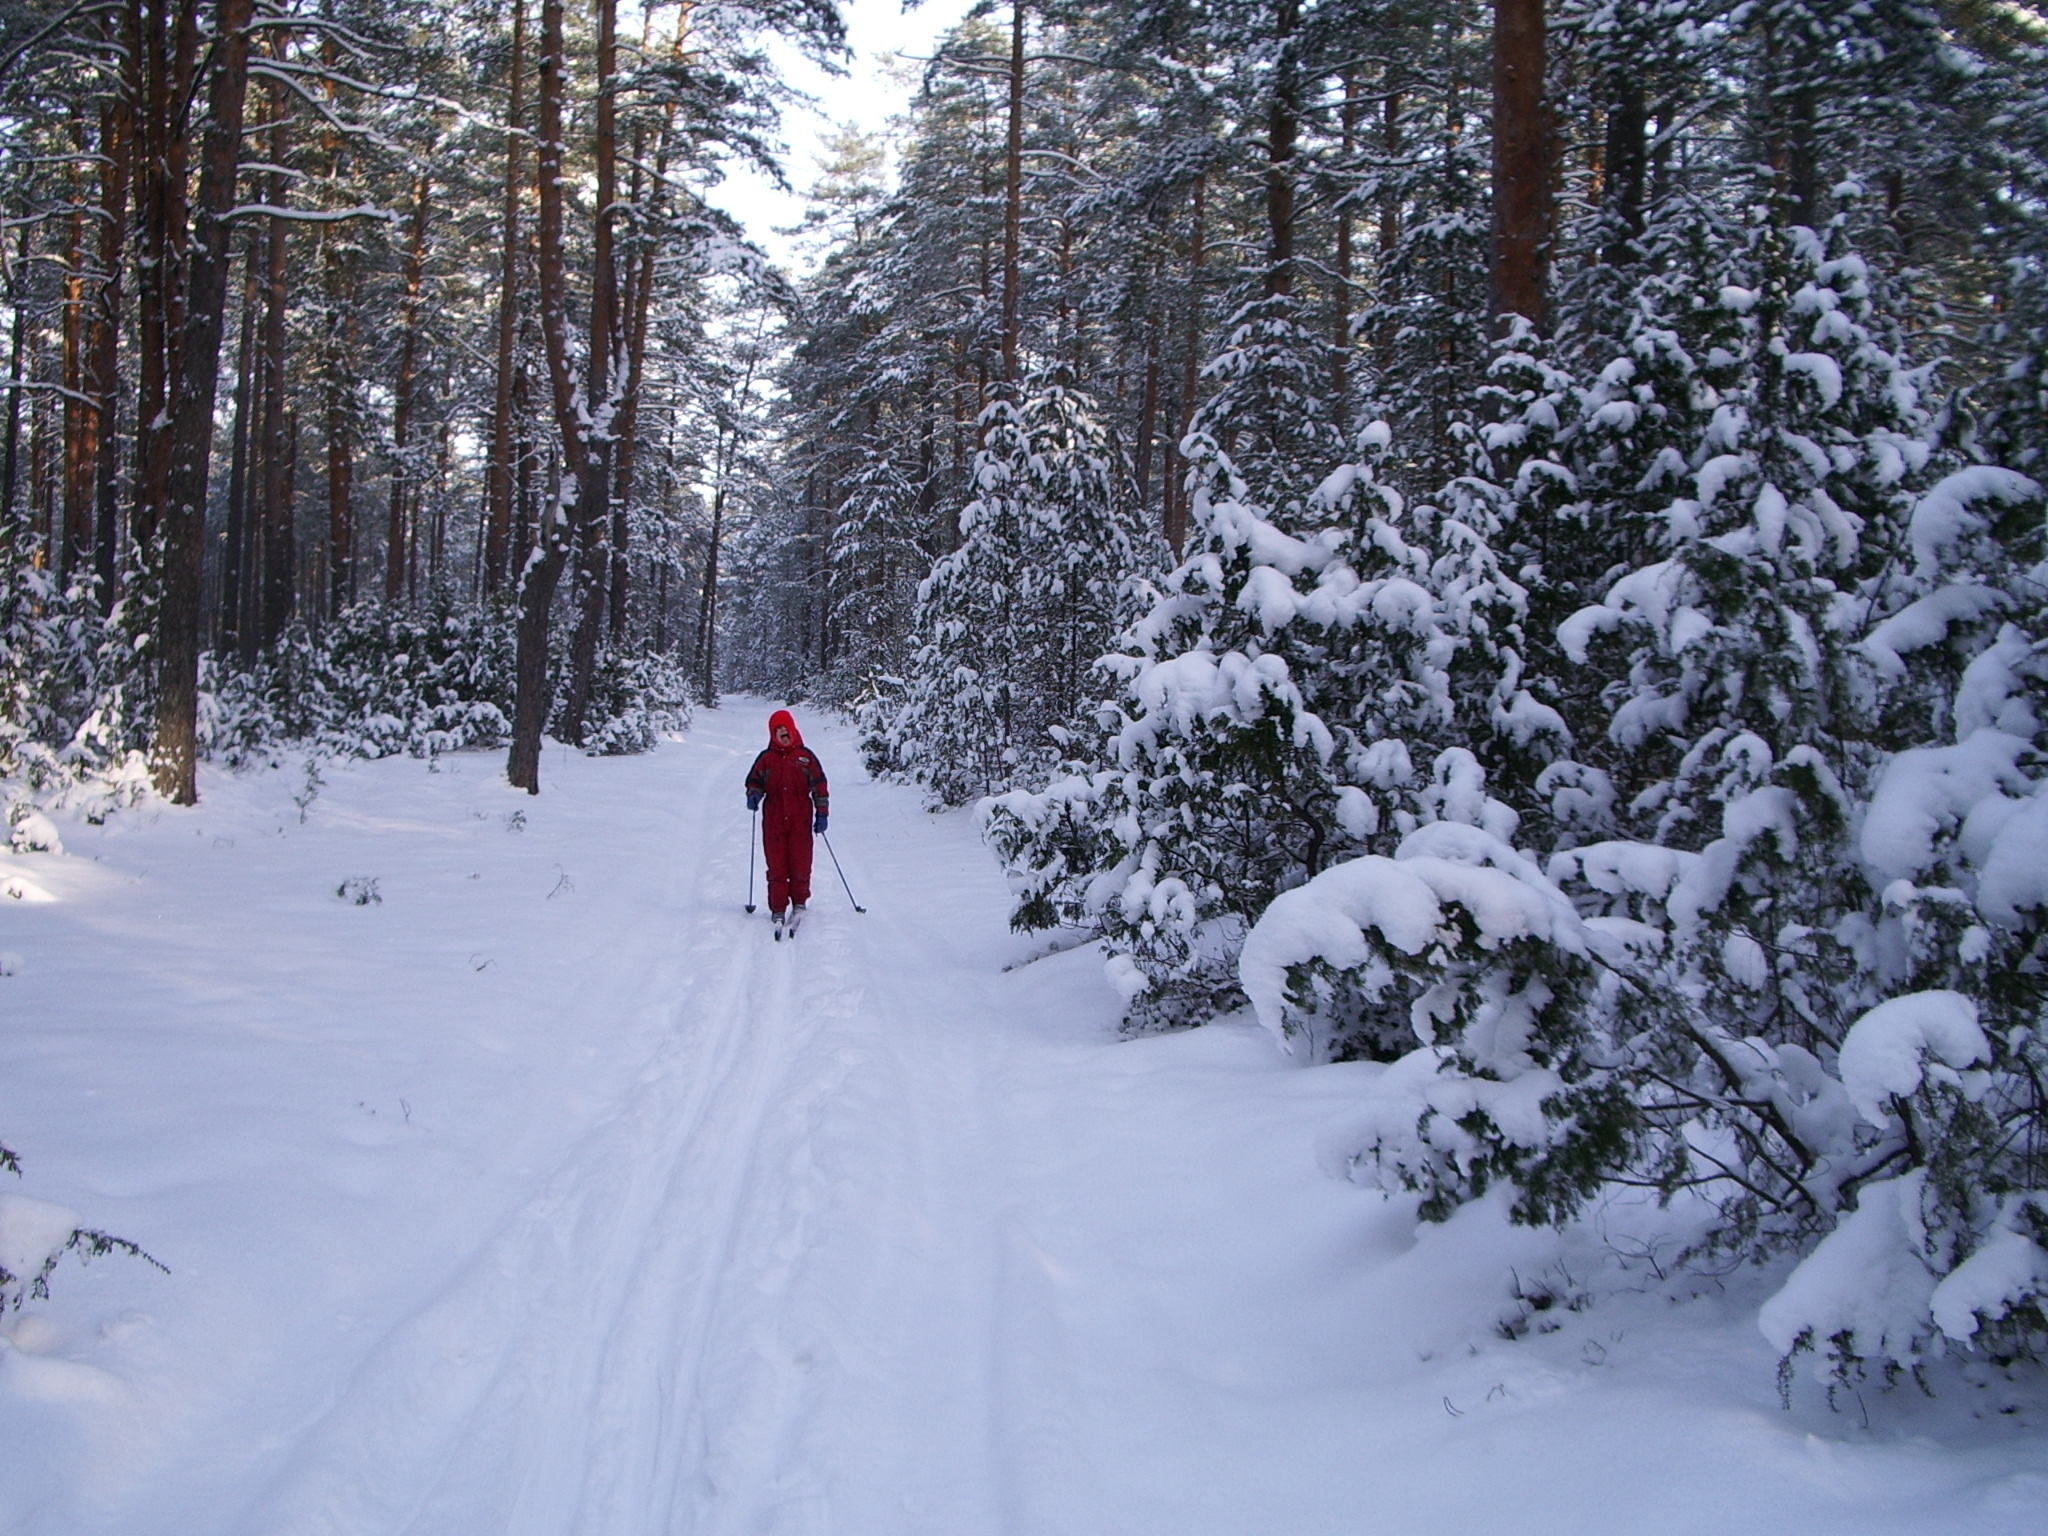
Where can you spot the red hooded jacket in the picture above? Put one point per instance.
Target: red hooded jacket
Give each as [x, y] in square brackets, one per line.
[790, 780]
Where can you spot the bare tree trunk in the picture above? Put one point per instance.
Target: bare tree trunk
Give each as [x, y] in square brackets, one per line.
[594, 477]
[1522, 200]
[170, 31]
[398, 544]
[236, 634]
[1283, 127]
[174, 751]
[341, 460]
[707, 607]
[117, 132]
[1013, 195]
[18, 298]
[542, 571]
[280, 543]
[1340, 356]
[81, 420]
[1627, 161]
[1191, 362]
[498, 482]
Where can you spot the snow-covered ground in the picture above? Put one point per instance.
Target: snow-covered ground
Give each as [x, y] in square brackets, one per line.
[544, 1194]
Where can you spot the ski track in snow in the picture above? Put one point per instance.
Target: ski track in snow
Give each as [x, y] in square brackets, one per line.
[870, 1238]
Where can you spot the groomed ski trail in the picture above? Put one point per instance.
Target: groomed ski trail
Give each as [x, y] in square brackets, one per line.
[687, 1322]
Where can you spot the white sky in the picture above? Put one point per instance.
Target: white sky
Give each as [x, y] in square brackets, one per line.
[878, 30]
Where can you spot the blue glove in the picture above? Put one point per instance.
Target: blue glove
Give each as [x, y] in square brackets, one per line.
[753, 799]
[818, 824]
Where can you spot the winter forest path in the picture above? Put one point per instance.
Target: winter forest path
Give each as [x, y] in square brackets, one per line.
[545, 1195]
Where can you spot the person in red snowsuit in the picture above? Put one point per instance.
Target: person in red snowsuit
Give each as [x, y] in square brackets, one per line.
[787, 785]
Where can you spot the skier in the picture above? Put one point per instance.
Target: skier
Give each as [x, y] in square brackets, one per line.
[787, 786]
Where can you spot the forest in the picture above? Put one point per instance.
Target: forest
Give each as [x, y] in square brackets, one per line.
[1507, 538]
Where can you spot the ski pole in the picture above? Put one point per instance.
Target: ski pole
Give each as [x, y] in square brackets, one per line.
[753, 825]
[842, 874]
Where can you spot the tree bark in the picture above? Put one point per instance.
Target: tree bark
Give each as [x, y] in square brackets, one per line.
[236, 633]
[599, 431]
[498, 485]
[542, 570]
[1627, 160]
[175, 748]
[280, 542]
[80, 417]
[117, 131]
[1522, 200]
[1340, 356]
[170, 43]
[397, 539]
[1013, 195]
[1191, 363]
[1283, 128]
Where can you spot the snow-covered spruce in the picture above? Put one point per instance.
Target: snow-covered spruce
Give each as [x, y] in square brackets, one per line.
[1009, 626]
[1257, 734]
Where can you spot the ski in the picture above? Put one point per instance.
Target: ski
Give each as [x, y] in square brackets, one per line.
[796, 916]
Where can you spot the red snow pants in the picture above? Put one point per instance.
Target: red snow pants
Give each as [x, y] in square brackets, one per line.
[786, 844]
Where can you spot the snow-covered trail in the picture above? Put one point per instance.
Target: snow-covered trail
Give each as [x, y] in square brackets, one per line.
[667, 1336]
[548, 1195]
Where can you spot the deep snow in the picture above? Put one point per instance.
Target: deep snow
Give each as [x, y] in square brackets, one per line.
[544, 1194]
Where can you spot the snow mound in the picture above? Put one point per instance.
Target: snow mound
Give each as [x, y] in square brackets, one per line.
[1887, 1052]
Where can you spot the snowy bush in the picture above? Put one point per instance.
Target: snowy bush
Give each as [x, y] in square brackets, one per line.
[72, 707]
[634, 701]
[374, 683]
[34, 1237]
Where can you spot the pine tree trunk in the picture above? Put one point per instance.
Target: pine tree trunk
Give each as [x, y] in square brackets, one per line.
[17, 299]
[542, 571]
[170, 40]
[1283, 128]
[397, 537]
[280, 544]
[81, 420]
[1191, 362]
[174, 752]
[498, 484]
[117, 129]
[1522, 201]
[236, 634]
[599, 439]
[1340, 356]
[1013, 194]
[1627, 161]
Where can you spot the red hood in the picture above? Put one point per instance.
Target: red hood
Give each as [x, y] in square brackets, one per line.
[784, 717]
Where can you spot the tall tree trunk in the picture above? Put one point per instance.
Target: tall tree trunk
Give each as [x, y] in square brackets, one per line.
[1387, 279]
[341, 456]
[594, 480]
[81, 419]
[169, 53]
[1013, 195]
[17, 298]
[1627, 160]
[1522, 201]
[117, 131]
[1283, 128]
[236, 568]
[280, 540]
[1340, 356]
[707, 607]
[174, 750]
[397, 539]
[498, 481]
[542, 571]
[1191, 361]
